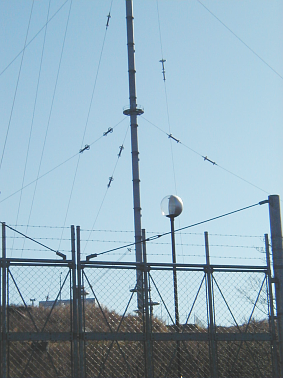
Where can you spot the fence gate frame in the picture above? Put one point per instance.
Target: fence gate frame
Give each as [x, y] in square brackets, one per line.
[148, 337]
[78, 336]
[38, 336]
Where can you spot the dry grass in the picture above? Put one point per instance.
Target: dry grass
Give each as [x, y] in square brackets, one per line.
[127, 358]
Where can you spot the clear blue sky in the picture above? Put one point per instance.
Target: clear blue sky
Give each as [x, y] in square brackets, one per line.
[222, 99]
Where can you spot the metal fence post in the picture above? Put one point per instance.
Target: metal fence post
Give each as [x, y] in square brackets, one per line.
[148, 343]
[80, 309]
[277, 254]
[75, 313]
[4, 314]
[271, 307]
[211, 325]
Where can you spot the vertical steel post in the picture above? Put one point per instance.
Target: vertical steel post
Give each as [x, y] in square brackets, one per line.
[133, 112]
[75, 299]
[176, 304]
[277, 254]
[79, 294]
[4, 300]
[148, 346]
[211, 312]
[271, 307]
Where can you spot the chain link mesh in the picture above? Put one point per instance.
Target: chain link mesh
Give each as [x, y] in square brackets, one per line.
[119, 339]
[31, 315]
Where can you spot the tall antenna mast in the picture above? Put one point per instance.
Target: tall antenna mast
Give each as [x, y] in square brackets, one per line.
[133, 112]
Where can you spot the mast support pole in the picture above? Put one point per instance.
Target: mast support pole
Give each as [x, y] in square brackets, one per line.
[133, 111]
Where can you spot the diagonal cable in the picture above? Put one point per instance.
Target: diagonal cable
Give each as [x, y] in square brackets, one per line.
[241, 40]
[54, 168]
[205, 157]
[151, 238]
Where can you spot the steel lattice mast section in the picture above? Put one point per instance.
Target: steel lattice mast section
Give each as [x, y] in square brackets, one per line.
[133, 112]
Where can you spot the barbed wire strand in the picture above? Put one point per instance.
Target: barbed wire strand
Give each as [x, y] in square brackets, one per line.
[30, 238]
[132, 232]
[176, 231]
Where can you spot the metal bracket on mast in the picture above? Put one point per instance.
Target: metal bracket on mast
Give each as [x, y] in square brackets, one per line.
[135, 111]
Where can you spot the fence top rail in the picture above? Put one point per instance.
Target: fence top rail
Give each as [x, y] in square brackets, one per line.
[156, 266]
[135, 265]
[255, 269]
[239, 267]
[22, 261]
[213, 267]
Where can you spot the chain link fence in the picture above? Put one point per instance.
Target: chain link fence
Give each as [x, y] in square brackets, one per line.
[118, 341]
[37, 330]
[72, 318]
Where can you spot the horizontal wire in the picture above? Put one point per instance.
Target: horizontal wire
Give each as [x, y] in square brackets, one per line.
[39, 226]
[40, 238]
[132, 232]
[154, 243]
[34, 250]
[218, 257]
[148, 239]
[187, 255]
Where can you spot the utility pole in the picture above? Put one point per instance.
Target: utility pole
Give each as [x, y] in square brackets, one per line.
[133, 111]
[277, 254]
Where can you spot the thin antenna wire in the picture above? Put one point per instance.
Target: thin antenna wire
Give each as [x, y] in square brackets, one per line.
[32, 121]
[168, 118]
[9, 124]
[33, 38]
[108, 186]
[16, 89]
[56, 167]
[87, 120]
[166, 97]
[51, 108]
